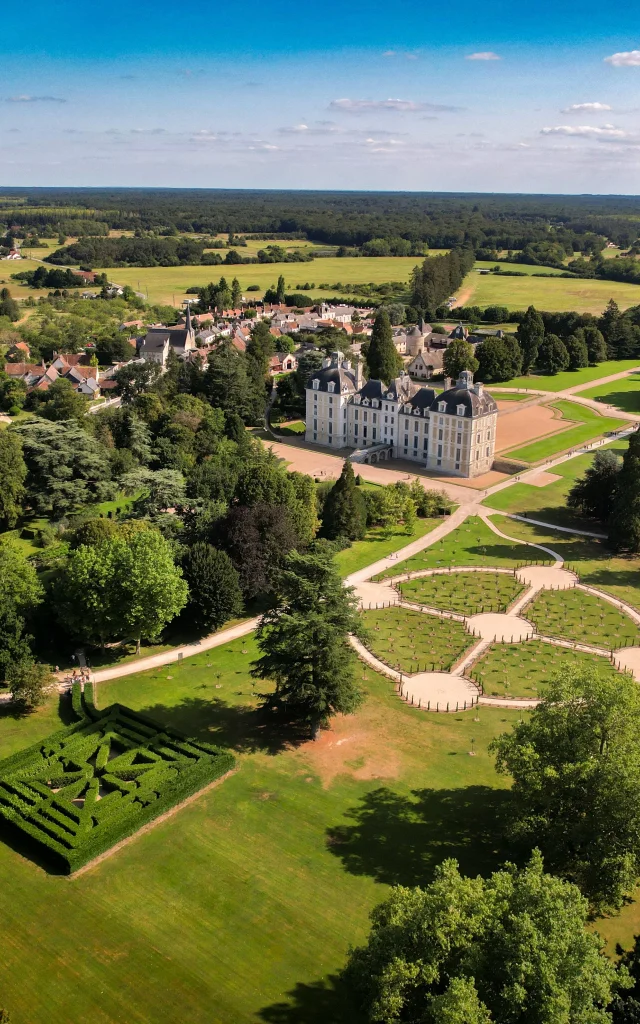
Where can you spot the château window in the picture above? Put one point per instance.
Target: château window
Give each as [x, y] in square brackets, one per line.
[331, 387]
[316, 384]
[461, 410]
[442, 406]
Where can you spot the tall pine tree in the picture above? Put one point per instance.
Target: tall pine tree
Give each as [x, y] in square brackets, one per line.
[383, 361]
[344, 513]
[624, 528]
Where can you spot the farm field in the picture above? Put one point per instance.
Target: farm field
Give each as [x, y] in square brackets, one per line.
[520, 268]
[169, 284]
[623, 394]
[585, 296]
[570, 378]
[255, 872]
[548, 503]
[466, 593]
[577, 615]
[409, 641]
[522, 670]
[586, 425]
[590, 558]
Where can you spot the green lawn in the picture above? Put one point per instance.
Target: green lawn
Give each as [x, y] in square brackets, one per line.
[521, 268]
[467, 593]
[472, 543]
[556, 294]
[589, 425]
[294, 428]
[549, 503]
[591, 559]
[576, 615]
[571, 378]
[413, 641]
[378, 544]
[509, 396]
[624, 394]
[233, 910]
[523, 670]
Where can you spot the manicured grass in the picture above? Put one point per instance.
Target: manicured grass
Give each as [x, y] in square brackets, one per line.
[467, 593]
[509, 396]
[233, 910]
[523, 670]
[412, 641]
[472, 543]
[549, 503]
[576, 615]
[594, 562]
[556, 294]
[169, 284]
[292, 429]
[589, 425]
[571, 378]
[378, 544]
[624, 394]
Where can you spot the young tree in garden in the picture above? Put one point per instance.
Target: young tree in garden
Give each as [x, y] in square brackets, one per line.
[459, 356]
[575, 766]
[304, 642]
[576, 346]
[593, 494]
[624, 524]
[383, 361]
[29, 681]
[552, 355]
[530, 334]
[344, 513]
[214, 588]
[596, 345]
[13, 472]
[509, 949]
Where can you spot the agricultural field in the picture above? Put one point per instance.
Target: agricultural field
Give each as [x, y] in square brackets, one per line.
[472, 543]
[466, 593]
[548, 503]
[577, 615]
[255, 872]
[556, 294]
[570, 378]
[412, 641]
[523, 670]
[584, 425]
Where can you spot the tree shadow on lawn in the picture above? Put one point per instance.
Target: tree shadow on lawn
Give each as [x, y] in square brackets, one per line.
[317, 1002]
[240, 727]
[399, 840]
[504, 553]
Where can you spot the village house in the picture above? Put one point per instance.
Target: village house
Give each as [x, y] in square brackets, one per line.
[453, 433]
[282, 362]
[154, 346]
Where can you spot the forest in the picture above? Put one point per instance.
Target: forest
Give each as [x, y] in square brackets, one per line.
[441, 220]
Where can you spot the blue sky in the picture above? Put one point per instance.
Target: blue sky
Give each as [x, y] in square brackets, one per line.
[490, 96]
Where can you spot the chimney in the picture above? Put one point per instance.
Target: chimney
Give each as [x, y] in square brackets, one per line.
[478, 387]
[359, 374]
[447, 383]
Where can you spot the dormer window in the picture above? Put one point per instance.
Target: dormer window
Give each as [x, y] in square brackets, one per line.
[316, 384]
[416, 412]
[365, 401]
[390, 396]
[331, 387]
[442, 406]
[460, 410]
[357, 399]
[376, 403]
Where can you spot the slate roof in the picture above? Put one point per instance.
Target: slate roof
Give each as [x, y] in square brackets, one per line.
[474, 404]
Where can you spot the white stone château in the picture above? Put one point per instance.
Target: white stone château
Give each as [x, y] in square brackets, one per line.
[453, 432]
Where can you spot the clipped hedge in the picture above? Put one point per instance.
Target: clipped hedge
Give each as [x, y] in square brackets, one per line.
[86, 788]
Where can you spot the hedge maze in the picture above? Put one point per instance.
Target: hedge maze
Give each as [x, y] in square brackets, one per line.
[91, 785]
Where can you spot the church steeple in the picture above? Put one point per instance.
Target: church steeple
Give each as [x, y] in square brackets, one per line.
[188, 321]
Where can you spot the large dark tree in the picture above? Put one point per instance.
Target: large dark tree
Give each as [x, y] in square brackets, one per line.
[552, 355]
[459, 356]
[624, 526]
[13, 472]
[499, 359]
[344, 513]
[214, 587]
[66, 467]
[383, 361]
[575, 765]
[576, 346]
[304, 641]
[530, 335]
[593, 494]
[256, 539]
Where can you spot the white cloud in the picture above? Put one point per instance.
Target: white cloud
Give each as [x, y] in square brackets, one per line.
[586, 131]
[483, 55]
[626, 59]
[592, 108]
[35, 99]
[350, 106]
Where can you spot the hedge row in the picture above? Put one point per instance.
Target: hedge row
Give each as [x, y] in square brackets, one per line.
[171, 768]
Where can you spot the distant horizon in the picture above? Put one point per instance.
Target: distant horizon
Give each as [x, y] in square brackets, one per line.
[346, 191]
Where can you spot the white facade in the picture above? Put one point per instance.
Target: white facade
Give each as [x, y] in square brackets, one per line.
[452, 433]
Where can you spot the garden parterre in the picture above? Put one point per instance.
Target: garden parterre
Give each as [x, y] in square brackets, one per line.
[466, 593]
[578, 615]
[410, 641]
[522, 670]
